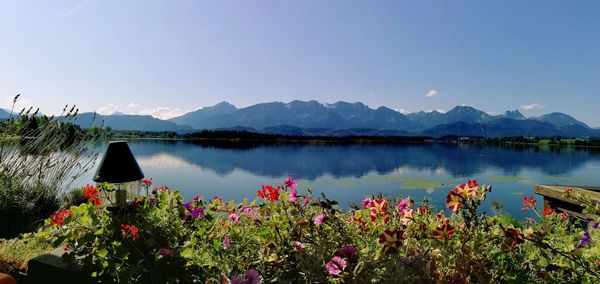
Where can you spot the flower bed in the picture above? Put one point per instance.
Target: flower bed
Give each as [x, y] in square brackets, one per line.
[282, 236]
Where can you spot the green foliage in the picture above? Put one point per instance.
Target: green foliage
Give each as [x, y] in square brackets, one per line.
[15, 253]
[40, 157]
[288, 238]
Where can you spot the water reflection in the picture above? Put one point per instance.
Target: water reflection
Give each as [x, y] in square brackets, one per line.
[342, 161]
[347, 173]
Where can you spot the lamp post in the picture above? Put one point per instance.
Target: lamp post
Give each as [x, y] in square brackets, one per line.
[119, 168]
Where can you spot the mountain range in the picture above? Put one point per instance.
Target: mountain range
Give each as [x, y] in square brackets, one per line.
[343, 118]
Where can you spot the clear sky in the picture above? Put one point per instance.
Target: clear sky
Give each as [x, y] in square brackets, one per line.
[168, 57]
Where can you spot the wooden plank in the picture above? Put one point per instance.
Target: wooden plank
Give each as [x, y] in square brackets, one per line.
[557, 192]
[554, 198]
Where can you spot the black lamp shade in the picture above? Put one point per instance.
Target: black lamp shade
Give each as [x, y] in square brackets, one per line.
[118, 165]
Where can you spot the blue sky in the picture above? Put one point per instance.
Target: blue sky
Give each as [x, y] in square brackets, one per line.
[168, 57]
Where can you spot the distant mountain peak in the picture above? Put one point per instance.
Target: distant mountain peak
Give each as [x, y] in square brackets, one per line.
[514, 114]
[224, 104]
[297, 117]
[560, 119]
[463, 108]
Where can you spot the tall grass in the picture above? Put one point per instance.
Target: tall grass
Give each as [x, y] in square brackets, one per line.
[40, 157]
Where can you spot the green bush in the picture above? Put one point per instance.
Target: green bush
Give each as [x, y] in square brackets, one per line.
[40, 157]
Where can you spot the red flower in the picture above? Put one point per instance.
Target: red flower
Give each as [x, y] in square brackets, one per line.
[528, 203]
[467, 190]
[269, 193]
[130, 231]
[443, 232]
[379, 207]
[58, 218]
[391, 240]
[548, 211]
[90, 192]
[453, 201]
[422, 210]
[407, 216]
[147, 182]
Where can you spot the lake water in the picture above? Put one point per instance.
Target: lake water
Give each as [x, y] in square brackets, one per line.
[348, 173]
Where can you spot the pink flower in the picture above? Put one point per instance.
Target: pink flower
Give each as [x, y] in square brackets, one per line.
[218, 197]
[336, 265]
[252, 277]
[166, 251]
[368, 203]
[291, 183]
[299, 247]
[347, 251]
[234, 217]
[293, 195]
[226, 242]
[247, 209]
[403, 204]
[306, 201]
[319, 220]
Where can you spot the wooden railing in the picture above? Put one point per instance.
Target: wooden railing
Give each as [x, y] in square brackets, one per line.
[554, 198]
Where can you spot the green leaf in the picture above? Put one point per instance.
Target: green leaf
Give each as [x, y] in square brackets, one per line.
[264, 232]
[216, 244]
[187, 253]
[102, 252]
[99, 231]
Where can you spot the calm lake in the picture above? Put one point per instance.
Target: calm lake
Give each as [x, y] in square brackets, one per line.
[348, 173]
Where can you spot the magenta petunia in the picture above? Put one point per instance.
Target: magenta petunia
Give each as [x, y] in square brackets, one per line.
[293, 195]
[347, 251]
[299, 247]
[234, 217]
[368, 203]
[319, 220]
[290, 183]
[403, 204]
[336, 265]
[306, 201]
[166, 251]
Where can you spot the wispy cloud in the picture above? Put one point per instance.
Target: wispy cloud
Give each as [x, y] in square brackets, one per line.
[132, 105]
[75, 9]
[431, 93]
[532, 106]
[440, 110]
[109, 109]
[163, 112]
[403, 111]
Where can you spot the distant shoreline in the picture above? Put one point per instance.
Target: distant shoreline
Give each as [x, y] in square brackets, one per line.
[252, 138]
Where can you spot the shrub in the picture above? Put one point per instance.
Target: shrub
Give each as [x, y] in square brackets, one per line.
[283, 237]
[40, 157]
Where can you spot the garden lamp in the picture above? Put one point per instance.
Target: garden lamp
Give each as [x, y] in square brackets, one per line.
[120, 169]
